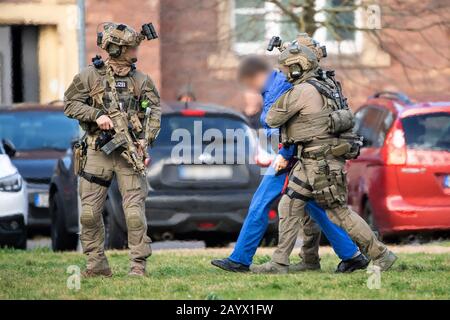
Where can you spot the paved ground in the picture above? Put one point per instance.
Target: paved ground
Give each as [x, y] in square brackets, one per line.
[187, 246]
[45, 242]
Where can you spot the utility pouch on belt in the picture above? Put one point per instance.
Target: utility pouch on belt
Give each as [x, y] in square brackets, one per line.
[79, 156]
[330, 190]
[355, 143]
[340, 121]
[341, 149]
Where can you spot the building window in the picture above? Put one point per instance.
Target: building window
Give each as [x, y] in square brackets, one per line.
[256, 21]
[342, 23]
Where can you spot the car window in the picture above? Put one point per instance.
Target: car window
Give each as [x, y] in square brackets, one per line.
[427, 131]
[214, 134]
[368, 124]
[386, 121]
[33, 130]
[359, 116]
[213, 124]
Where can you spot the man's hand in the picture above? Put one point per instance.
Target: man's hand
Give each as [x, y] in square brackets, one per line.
[280, 163]
[104, 122]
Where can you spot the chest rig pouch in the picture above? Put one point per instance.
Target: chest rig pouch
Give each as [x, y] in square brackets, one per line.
[128, 101]
[341, 118]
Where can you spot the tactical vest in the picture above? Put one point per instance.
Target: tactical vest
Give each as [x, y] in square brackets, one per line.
[128, 91]
[334, 119]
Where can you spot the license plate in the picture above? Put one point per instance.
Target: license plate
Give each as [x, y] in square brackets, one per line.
[447, 181]
[204, 172]
[41, 200]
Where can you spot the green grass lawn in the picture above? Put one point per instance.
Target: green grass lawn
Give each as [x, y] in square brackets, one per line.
[41, 274]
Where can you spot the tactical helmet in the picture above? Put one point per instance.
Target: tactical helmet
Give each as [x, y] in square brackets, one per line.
[115, 36]
[303, 39]
[306, 40]
[298, 58]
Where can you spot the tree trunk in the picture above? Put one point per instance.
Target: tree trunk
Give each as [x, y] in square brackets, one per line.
[309, 12]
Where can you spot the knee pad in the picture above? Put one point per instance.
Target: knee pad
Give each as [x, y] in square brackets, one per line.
[88, 217]
[134, 219]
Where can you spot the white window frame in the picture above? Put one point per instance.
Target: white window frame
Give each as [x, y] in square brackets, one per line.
[273, 27]
[340, 47]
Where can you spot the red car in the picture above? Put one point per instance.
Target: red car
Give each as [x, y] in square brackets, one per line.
[401, 181]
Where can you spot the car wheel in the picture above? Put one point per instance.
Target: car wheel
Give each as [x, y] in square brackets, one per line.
[21, 242]
[269, 240]
[216, 243]
[115, 238]
[62, 240]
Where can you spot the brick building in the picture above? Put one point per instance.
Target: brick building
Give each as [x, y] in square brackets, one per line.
[201, 42]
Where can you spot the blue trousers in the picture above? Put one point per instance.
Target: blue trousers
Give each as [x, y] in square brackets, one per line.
[257, 220]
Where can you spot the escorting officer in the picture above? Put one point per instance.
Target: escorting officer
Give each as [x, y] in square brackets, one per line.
[119, 109]
[314, 115]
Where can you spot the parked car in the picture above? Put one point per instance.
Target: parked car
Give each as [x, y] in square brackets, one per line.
[41, 135]
[13, 201]
[189, 201]
[401, 181]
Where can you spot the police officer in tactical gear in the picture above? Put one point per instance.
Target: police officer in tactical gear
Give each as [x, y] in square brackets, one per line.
[97, 91]
[315, 116]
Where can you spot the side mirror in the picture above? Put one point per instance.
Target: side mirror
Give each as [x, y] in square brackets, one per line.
[9, 147]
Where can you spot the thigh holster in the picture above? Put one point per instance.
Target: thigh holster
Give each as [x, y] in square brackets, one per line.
[291, 193]
[97, 180]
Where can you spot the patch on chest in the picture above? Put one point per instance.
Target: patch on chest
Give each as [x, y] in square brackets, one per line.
[120, 84]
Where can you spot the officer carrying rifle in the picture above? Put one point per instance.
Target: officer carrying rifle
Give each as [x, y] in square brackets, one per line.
[118, 107]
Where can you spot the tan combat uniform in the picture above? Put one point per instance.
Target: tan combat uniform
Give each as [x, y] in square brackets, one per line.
[303, 115]
[84, 100]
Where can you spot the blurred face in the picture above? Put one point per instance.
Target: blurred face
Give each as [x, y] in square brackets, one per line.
[253, 102]
[255, 82]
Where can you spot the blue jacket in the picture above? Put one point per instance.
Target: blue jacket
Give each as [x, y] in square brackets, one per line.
[276, 84]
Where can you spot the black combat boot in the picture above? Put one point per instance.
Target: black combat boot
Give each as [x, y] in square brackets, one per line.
[228, 265]
[360, 262]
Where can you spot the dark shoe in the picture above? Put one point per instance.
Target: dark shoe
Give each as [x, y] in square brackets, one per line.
[137, 271]
[302, 266]
[359, 262]
[89, 273]
[228, 265]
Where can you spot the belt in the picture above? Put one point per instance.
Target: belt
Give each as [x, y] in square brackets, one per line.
[93, 179]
